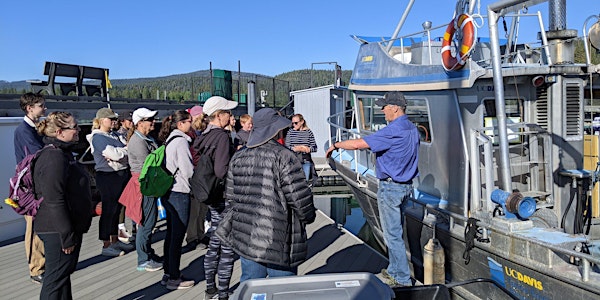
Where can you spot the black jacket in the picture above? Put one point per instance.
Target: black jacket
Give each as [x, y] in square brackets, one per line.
[217, 144]
[269, 205]
[65, 186]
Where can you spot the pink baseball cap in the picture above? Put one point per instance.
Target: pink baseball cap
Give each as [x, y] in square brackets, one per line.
[196, 110]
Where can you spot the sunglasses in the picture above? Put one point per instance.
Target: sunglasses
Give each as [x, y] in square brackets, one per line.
[296, 123]
[147, 120]
[76, 126]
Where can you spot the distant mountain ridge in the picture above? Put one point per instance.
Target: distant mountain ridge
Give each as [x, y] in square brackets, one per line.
[298, 79]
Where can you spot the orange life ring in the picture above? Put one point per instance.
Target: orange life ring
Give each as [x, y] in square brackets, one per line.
[465, 23]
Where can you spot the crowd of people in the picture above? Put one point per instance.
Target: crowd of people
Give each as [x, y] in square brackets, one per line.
[259, 215]
[242, 160]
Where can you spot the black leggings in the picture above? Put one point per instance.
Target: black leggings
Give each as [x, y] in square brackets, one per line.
[110, 185]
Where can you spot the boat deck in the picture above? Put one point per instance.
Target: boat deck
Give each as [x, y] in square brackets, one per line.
[332, 249]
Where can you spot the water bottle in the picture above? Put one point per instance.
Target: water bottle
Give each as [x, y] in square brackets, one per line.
[162, 214]
[443, 201]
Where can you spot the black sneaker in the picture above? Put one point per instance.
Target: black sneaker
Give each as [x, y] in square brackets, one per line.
[156, 258]
[164, 279]
[125, 247]
[38, 279]
[211, 293]
[191, 245]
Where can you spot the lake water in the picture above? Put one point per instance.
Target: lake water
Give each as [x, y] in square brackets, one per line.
[344, 210]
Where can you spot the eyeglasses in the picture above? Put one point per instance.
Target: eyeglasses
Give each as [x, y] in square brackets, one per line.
[76, 126]
[296, 123]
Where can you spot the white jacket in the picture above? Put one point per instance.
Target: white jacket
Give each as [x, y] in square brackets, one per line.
[110, 154]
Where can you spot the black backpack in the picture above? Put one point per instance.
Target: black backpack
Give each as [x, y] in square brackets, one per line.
[206, 186]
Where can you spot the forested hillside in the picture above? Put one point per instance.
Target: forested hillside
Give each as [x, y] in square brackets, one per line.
[191, 86]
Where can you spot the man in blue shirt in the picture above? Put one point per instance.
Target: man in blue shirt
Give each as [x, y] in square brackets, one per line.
[396, 147]
[28, 141]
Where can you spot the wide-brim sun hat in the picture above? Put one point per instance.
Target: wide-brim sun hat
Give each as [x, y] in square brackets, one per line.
[142, 113]
[267, 123]
[216, 103]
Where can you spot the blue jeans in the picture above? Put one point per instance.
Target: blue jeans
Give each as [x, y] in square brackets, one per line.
[177, 206]
[306, 168]
[391, 200]
[143, 238]
[253, 270]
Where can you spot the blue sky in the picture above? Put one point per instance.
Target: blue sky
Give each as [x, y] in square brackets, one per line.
[158, 38]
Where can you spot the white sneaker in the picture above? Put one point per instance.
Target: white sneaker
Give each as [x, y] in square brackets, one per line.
[124, 235]
[179, 284]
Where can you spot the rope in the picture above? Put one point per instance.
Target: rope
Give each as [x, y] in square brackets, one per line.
[470, 234]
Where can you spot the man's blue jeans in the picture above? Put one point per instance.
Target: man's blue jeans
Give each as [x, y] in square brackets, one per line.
[391, 200]
[253, 270]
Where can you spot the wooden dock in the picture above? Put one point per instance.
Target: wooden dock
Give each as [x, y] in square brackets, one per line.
[332, 249]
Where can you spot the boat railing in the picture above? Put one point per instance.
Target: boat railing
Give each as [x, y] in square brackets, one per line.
[513, 53]
[535, 136]
[340, 130]
[585, 260]
[532, 137]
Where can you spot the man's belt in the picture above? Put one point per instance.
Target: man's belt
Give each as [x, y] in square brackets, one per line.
[389, 179]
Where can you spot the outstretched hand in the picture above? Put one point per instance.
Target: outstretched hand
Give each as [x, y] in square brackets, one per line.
[329, 152]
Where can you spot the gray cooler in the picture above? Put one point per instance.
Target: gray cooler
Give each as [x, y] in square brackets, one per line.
[320, 286]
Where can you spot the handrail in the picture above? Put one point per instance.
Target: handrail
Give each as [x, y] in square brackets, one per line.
[543, 44]
[586, 259]
[479, 137]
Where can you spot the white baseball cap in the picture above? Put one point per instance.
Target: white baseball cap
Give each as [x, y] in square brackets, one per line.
[215, 103]
[142, 113]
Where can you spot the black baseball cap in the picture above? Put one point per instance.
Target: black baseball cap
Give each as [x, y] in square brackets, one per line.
[392, 98]
[126, 116]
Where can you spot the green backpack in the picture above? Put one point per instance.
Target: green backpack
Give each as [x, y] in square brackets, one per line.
[155, 179]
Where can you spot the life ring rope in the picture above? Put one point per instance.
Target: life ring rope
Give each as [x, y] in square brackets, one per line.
[466, 33]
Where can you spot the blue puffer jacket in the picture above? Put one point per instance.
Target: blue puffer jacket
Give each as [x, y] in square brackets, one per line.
[269, 205]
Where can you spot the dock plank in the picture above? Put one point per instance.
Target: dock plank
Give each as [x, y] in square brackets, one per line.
[331, 249]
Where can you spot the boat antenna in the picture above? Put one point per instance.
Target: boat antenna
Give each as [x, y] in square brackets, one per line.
[399, 26]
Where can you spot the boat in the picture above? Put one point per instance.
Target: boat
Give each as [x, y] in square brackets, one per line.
[507, 180]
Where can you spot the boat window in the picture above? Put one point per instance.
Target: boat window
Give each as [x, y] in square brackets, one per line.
[513, 109]
[374, 119]
[371, 115]
[418, 112]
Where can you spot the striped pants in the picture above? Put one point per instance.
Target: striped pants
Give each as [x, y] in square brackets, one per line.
[219, 258]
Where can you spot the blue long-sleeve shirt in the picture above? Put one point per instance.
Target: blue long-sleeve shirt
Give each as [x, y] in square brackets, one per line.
[396, 148]
[26, 140]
